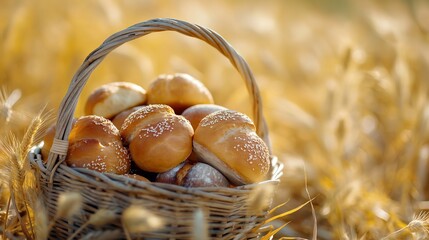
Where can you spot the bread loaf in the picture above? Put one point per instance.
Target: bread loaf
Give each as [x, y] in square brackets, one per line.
[113, 98]
[190, 174]
[179, 91]
[227, 141]
[157, 138]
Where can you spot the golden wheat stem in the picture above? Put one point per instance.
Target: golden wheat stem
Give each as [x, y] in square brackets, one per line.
[5, 217]
[17, 189]
[127, 233]
[78, 230]
[394, 233]
[313, 211]
[28, 213]
[29, 136]
[21, 221]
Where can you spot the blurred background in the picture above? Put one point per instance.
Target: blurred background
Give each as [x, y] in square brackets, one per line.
[344, 87]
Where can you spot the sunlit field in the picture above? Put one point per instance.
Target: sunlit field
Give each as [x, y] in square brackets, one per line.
[344, 85]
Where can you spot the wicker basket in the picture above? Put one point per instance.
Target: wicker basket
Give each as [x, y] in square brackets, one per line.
[228, 214]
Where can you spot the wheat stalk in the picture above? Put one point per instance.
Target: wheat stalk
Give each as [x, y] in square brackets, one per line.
[14, 165]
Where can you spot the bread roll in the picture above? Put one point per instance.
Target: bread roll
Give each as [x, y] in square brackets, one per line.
[227, 141]
[194, 175]
[197, 112]
[113, 98]
[96, 127]
[170, 175]
[201, 175]
[179, 91]
[119, 119]
[92, 154]
[158, 139]
[94, 143]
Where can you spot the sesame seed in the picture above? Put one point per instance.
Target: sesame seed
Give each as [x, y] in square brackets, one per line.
[157, 129]
[143, 112]
[223, 115]
[255, 150]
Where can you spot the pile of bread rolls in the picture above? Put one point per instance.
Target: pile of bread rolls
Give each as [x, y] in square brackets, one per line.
[172, 133]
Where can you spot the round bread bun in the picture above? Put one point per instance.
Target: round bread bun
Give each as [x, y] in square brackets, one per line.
[113, 98]
[170, 175]
[227, 141]
[93, 154]
[197, 112]
[92, 126]
[119, 119]
[200, 175]
[179, 91]
[158, 139]
[190, 174]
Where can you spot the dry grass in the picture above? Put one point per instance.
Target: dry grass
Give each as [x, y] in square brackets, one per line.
[344, 85]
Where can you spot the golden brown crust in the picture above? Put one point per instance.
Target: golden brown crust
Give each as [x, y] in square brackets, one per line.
[227, 141]
[94, 127]
[162, 144]
[119, 119]
[183, 172]
[93, 154]
[94, 143]
[179, 91]
[138, 119]
[197, 112]
[158, 139]
[113, 98]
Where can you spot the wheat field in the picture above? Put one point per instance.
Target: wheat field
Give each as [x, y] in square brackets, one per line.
[344, 84]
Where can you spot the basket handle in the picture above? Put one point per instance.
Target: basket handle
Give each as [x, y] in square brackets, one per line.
[68, 105]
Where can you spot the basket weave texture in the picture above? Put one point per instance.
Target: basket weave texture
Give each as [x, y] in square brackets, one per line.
[228, 213]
